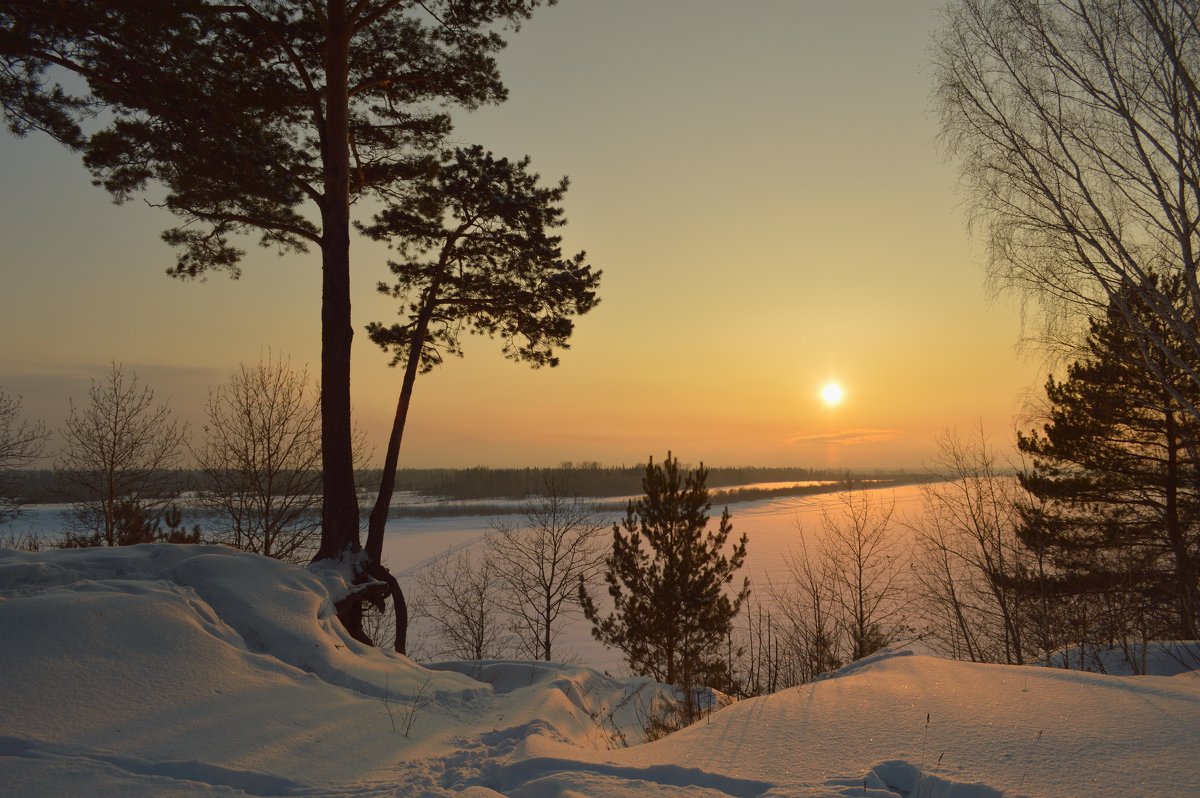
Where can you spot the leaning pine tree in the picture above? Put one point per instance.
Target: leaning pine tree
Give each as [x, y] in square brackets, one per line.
[478, 255]
[667, 576]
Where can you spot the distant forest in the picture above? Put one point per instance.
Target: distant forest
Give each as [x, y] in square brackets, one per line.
[583, 479]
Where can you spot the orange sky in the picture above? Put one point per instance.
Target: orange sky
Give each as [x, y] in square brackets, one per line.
[760, 183]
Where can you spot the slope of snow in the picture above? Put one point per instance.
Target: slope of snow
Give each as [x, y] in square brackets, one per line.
[197, 671]
[1014, 730]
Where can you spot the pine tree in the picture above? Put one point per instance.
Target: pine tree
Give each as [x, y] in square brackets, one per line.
[478, 255]
[267, 118]
[667, 576]
[1115, 473]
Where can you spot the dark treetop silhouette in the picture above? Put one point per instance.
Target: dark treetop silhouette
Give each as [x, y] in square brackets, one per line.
[268, 116]
[478, 254]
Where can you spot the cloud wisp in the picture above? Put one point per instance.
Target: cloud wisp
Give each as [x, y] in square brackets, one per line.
[849, 437]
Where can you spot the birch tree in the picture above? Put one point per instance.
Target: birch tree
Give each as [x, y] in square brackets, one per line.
[1076, 127]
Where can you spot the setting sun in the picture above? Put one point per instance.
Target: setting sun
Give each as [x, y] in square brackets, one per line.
[832, 393]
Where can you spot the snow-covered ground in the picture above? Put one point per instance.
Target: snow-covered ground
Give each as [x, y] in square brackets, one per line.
[195, 671]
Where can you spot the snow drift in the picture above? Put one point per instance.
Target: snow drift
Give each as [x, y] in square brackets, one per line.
[194, 670]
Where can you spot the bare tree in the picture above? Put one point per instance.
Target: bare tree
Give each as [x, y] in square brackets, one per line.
[119, 462]
[845, 597]
[813, 614]
[970, 554]
[461, 596]
[945, 585]
[21, 443]
[1077, 127]
[755, 664]
[866, 564]
[795, 637]
[542, 560]
[262, 458]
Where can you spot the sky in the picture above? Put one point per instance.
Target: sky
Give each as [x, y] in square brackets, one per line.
[761, 184]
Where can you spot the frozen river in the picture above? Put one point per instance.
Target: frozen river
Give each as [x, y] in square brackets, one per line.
[774, 526]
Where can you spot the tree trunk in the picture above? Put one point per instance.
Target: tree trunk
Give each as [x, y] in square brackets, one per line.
[339, 514]
[546, 627]
[339, 511]
[1184, 580]
[387, 486]
[378, 572]
[387, 479]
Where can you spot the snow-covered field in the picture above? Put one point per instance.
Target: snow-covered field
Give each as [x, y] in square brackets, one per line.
[195, 671]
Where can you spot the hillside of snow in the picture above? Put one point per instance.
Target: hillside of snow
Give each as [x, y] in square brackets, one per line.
[198, 671]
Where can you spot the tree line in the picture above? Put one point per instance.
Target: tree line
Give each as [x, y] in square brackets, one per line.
[597, 480]
[30, 485]
[23, 446]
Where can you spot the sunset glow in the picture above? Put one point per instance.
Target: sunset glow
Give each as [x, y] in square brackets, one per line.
[766, 244]
[832, 393]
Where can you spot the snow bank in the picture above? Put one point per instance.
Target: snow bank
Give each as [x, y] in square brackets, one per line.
[162, 661]
[254, 605]
[958, 729]
[197, 671]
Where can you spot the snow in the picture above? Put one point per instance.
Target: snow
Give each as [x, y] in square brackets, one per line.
[197, 671]
[1162, 658]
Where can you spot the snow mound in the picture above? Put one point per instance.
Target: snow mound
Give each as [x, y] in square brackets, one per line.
[198, 671]
[151, 603]
[962, 729]
[897, 777]
[572, 704]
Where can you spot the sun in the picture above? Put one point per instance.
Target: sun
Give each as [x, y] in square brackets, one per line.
[832, 393]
